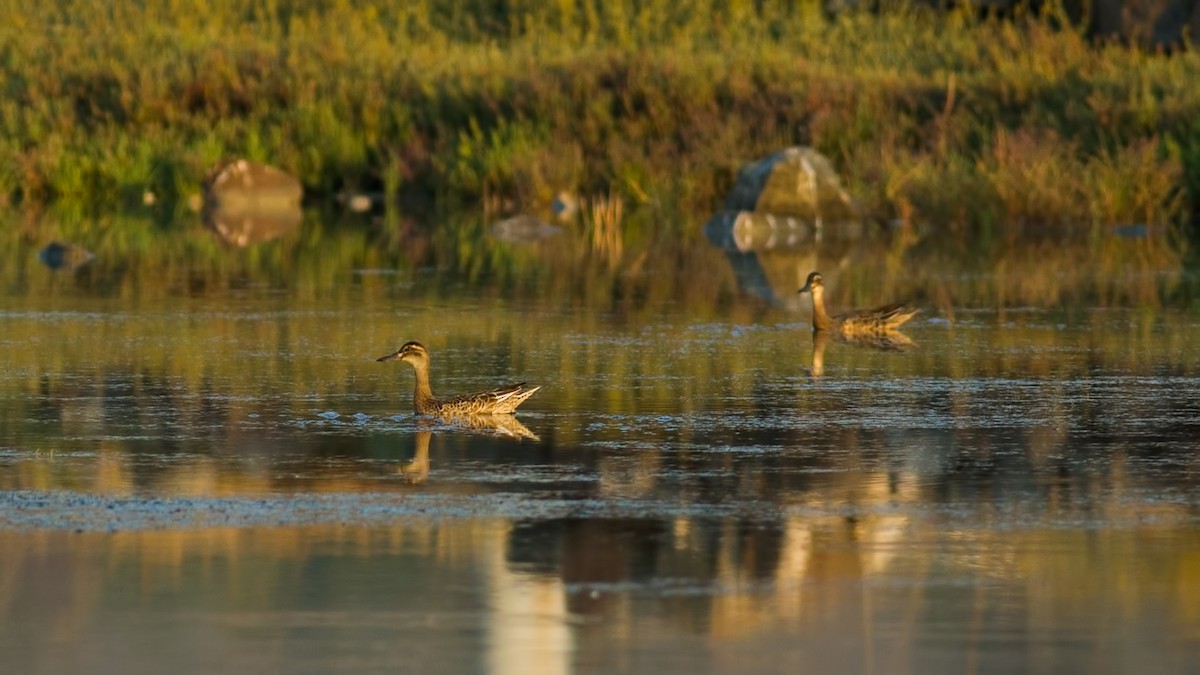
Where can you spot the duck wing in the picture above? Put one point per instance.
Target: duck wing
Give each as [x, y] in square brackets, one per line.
[884, 317]
[495, 401]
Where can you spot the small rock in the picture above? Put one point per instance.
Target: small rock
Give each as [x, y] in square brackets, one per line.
[243, 183]
[58, 255]
[565, 206]
[523, 227]
[359, 202]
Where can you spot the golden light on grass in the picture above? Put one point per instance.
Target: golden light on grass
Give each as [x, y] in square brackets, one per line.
[603, 220]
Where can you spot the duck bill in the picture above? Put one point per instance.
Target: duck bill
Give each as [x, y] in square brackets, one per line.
[390, 357]
[807, 289]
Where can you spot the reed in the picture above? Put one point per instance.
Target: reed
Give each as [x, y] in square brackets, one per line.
[604, 225]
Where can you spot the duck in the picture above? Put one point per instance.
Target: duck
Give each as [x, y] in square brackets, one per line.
[500, 401]
[881, 319]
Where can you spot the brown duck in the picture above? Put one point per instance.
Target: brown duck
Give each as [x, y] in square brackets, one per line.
[495, 402]
[878, 320]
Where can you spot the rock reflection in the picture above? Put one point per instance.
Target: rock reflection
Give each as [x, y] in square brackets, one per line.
[241, 228]
[751, 278]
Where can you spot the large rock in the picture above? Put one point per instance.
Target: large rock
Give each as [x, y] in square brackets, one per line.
[523, 228]
[243, 184]
[248, 203]
[796, 181]
[789, 199]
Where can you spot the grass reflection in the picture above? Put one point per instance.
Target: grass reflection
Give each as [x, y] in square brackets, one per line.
[139, 258]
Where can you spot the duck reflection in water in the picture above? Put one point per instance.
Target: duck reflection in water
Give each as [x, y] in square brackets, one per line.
[889, 341]
[507, 426]
[416, 470]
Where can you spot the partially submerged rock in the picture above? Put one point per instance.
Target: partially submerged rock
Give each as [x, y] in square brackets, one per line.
[360, 202]
[243, 184]
[789, 199]
[249, 203]
[58, 255]
[796, 181]
[565, 206]
[522, 228]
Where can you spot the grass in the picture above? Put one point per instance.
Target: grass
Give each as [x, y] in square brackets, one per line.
[943, 118]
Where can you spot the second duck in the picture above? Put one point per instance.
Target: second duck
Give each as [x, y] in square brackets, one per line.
[878, 320]
[503, 400]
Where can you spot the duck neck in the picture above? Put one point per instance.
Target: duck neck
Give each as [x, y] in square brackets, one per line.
[821, 319]
[423, 400]
[820, 339]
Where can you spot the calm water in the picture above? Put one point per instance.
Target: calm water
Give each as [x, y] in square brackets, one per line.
[203, 465]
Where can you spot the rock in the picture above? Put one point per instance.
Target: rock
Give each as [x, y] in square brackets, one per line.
[1132, 231]
[243, 184]
[796, 181]
[565, 206]
[523, 228]
[58, 255]
[249, 203]
[789, 199]
[359, 203]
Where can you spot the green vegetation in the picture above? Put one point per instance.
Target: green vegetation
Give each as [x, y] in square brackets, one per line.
[948, 119]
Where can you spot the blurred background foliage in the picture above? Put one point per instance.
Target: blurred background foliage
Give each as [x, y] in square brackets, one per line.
[951, 118]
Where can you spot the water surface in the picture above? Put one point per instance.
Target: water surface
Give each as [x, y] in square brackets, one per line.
[205, 465]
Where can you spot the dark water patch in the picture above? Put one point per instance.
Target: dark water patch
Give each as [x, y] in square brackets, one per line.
[57, 510]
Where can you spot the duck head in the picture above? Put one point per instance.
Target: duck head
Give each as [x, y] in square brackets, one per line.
[411, 352]
[812, 283]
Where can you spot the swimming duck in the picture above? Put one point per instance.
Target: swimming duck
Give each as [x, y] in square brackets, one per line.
[495, 402]
[880, 319]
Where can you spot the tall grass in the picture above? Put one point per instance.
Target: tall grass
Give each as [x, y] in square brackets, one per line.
[942, 117]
